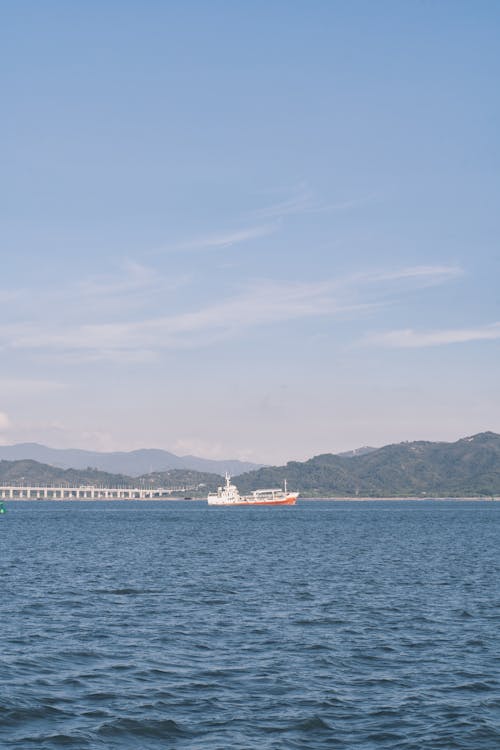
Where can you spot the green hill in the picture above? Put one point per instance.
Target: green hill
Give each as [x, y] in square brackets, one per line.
[470, 466]
[33, 473]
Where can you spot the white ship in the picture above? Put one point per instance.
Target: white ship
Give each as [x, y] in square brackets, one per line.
[229, 495]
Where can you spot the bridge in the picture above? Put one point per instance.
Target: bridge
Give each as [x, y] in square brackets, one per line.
[19, 492]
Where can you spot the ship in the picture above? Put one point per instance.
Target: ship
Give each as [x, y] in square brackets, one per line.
[229, 495]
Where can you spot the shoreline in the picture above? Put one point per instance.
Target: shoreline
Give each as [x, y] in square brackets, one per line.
[335, 498]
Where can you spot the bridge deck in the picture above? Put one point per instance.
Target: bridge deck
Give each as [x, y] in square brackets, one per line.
[87, 492]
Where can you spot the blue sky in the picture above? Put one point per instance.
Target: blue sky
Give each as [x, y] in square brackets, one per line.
[256, 230]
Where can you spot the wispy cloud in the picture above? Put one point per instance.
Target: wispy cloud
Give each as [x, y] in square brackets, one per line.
[125, 289]
[259, 304]
[131, 277]
[262, 303]
[221, 240]
[408, 338]
[132, 285]
[304, 201]
[81, 354]
[428, 275]
[29, 386]
[300, 201]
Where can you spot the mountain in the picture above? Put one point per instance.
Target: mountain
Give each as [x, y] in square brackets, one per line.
[29, 472]
[133, 463]
[470, 466]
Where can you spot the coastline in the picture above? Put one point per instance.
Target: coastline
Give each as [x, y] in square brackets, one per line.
[406, 498]
[333, 498]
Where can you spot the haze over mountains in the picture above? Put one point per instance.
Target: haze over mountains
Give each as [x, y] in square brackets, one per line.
[133, 463]
[467, 467]
[357, 452]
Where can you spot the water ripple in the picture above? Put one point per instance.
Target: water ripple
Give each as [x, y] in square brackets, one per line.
[372, 626]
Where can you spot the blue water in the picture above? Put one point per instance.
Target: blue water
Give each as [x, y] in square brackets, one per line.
[324, 625]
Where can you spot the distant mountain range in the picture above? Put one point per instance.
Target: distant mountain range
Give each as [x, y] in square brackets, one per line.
[468, 467]
[133, 463]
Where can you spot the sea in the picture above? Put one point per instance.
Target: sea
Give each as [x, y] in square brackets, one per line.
[158, 625]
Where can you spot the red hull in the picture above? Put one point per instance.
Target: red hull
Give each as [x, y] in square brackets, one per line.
[286, 501]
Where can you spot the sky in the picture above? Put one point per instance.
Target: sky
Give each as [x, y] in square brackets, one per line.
[259, 230]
